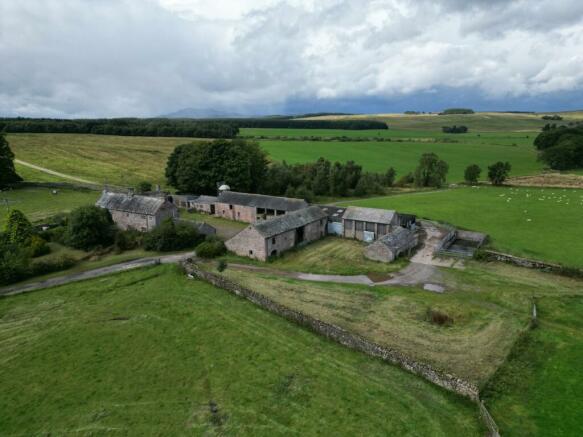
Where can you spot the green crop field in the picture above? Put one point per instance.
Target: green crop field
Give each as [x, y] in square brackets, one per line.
[150, 352]
[40, 203]
[541, 223]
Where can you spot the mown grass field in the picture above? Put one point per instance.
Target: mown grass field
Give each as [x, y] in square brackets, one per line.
[332, 255]
[149, 352]
[129, 160]
[540, 223]
[538, 391]
[39, 203]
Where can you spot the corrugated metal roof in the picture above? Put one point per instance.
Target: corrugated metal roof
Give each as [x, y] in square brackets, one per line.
[372, 215]
[262, 201]
[134, 204]
[290, 221]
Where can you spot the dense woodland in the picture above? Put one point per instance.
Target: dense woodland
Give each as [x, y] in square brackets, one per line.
[165, 127]
[561, 147]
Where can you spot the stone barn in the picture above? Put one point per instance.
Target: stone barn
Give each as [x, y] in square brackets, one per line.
[251, 208]
[389, 247]
[368, 224]
[131, 211]
[204, 204]
[275, 236]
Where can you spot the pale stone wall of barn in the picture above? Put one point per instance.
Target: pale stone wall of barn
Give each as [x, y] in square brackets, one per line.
[247, 214]
[280, 243]
[128, 220]
[248, 243]
[168, 211]
[379, 252]
[202, 207]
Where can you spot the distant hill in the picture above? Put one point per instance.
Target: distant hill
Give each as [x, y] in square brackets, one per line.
[202, 113]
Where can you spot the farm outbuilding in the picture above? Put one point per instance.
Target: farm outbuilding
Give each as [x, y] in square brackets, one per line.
[368, 224]
[251, 208]
[141, 213]
[389, 247]
[282, 233]
[334, 214]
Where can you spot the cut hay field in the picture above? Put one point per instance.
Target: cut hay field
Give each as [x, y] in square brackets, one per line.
[480, 121]
[540, 223]
[129, 160]
[39, 203]
[149, 352]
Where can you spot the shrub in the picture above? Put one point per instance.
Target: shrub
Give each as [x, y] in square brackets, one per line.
[144, 187]
[62, 262]
[404, 180]
[38, 247]
[128, 240]
[18, 228]
[14, 264]
[89, 227]
[211, 248]
[171, 236]
[221, 265]
[472, 174]
[438, 317]
[498, 172]
[54, 235]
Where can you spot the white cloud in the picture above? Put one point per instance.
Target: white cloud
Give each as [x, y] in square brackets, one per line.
[148, 57]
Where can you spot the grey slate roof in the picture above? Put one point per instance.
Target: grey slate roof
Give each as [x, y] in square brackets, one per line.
[133, 204]
[334, 213]
[372, 215]
[400, 238]
[205, 199]
[262, 201]
[290, 221]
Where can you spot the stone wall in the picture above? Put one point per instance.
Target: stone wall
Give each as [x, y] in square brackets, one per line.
[248, 243]
[280, 243]
[247, 214]
[341, 335]
[127, 220]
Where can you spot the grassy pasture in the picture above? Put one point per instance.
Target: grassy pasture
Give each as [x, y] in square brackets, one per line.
[149, 352]
[332, 255]
[39, 203]
[541, 223]
[481, 121]
[490, 305]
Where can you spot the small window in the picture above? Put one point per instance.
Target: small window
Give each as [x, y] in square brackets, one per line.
[250, 252]
[321, 221]
[230, 206]
[273, 240]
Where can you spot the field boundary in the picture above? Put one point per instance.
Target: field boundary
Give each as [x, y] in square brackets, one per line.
[492, 255]
[340, 335]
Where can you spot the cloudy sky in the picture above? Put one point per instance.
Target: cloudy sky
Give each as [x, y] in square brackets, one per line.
[85, 58]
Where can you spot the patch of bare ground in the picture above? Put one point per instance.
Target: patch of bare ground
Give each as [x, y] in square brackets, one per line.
[558, 180]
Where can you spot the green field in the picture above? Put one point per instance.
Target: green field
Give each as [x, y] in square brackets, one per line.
[40, 203]
[149, 352]
[128, 160]
[481, 121]
[541, 223]
[539, 391]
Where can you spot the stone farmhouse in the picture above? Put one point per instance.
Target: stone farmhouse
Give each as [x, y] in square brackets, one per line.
[251, 208]
[273, 237]
[369, 224]
[390, 246]
[142, 213]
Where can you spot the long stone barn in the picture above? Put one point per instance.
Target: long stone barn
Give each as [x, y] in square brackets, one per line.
[251, 208]
[142, 213]
[282, 233]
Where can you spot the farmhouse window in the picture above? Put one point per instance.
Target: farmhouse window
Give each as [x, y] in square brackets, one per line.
[370, 227]
[280, 212]
[250, 252]
[358, 226]
[273, 240]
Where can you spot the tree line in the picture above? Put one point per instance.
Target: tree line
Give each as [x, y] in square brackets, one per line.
[293, 123]
[561, 148]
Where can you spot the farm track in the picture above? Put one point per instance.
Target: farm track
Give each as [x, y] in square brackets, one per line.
[55, 173]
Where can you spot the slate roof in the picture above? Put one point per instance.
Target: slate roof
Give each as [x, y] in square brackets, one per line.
[262, 201]
[205, 199]
[371, 215]
[334, 213]
[290, 221]
[399, 238]
[133, 204]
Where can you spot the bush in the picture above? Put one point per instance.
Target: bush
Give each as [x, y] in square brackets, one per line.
[405, 180]
[14, 264]
[18, 228]
[438, 317]
[498, 172]
[54, 235]
[472, 174]
[89, 227]
[144, 187]
[454, 129]
[62, 262]
[128, 240]
[221, 265]
[211, 248]
[170, 236]
[38, 247]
